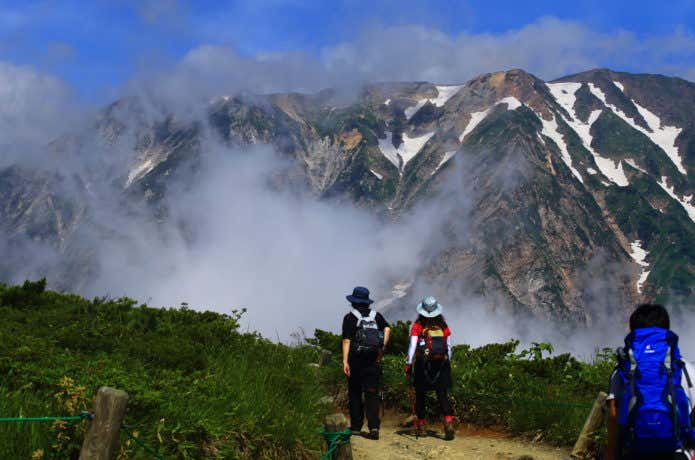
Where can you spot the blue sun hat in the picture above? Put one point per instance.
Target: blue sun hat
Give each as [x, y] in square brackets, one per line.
[360, 296]
[429, 307]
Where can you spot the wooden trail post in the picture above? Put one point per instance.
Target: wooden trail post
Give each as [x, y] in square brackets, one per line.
[325, 357]
[593, 422]
[102, 441]
[334, 423]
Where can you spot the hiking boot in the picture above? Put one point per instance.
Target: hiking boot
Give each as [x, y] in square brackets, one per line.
[419, 425]
[355, 432]
[374, 434]
[449, 430]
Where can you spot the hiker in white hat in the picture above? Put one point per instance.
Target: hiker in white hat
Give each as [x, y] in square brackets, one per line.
[428, 365]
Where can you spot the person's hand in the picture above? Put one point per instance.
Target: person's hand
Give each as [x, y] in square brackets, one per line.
[346, 368]
[407, 369]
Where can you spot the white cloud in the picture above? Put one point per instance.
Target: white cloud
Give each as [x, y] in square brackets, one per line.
[549, 48]
[35, 108]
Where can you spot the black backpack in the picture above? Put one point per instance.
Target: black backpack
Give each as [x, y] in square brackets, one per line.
[368, 340]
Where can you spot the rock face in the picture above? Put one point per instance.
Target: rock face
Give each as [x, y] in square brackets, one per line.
[551, 196]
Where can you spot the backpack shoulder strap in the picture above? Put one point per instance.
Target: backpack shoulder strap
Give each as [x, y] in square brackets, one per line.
[357, 315]
[686, 373]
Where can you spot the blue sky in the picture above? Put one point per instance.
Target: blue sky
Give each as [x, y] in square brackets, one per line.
[97, 46]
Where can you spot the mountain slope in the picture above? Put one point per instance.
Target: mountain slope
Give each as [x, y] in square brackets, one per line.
[571, 199]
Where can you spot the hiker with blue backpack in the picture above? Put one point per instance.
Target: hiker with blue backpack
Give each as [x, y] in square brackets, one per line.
[428, 365]
[650, 401]
[365, 334]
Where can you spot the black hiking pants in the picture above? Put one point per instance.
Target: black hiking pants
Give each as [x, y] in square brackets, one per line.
[442, 397]
[364, 380]
[432, 376]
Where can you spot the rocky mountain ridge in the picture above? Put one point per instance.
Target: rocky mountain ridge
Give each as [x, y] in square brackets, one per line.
[544, 189]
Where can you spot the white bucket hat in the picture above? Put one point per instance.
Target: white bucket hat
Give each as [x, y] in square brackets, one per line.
[429, 307]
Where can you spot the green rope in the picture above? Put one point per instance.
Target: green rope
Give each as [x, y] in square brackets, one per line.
[70, 418]
[334, 439]
[149, 449]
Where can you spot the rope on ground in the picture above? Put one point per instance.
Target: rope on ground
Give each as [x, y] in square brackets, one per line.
[149, 449]
[334, 439]
[68, 418]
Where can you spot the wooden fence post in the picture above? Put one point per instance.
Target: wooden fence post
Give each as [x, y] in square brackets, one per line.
[334, 423]
[102, 441]
[581, 447]
[325, 357]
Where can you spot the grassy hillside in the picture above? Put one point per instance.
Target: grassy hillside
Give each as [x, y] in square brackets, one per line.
[200, 388]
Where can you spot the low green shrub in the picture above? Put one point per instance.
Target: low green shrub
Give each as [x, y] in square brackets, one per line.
[198, 387]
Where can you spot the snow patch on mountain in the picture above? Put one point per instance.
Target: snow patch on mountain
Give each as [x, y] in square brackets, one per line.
[139, 171]
[512, 102]
[447, 156]
[564, 94]
[476, 117]
[387, 101]
[686, 202]
[619, 85]
[376, 174]
[663, 136]
[444, 93]
[410, 111]
[398, 291]
[639, 255]
[406, 151]
[550, 130]
[634, 164]
[642, 278]
[591, 171]
[609, 169]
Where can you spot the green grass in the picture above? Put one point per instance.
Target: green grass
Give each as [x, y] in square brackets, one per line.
[199, 388]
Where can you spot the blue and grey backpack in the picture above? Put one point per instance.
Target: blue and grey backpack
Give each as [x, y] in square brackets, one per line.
[654, 412]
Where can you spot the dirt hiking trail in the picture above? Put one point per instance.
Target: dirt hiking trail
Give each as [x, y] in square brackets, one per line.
[398, 443]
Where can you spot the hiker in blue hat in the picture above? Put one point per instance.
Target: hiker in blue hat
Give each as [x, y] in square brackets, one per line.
[365, 334]
[651, 394]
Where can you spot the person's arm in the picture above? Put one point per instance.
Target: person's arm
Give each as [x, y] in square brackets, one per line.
[348, 333]
[346, 352]
[387, 335]
[615, 391]
[411, 349]
[384, 326]
[612, 425]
